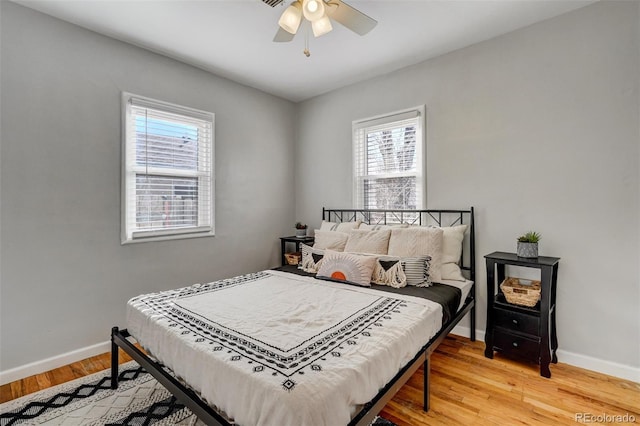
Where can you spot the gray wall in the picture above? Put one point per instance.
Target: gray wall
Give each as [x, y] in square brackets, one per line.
[65, 278]
[538, 129]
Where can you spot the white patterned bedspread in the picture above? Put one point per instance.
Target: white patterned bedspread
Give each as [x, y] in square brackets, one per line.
[273, 348]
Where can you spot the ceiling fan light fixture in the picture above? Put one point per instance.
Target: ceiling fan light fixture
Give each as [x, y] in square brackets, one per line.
[321, 26]
[321, 14]
[291, 18]
[312, 6]
[313, 9]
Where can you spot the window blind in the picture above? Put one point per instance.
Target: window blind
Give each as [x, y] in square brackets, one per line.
[169, 169]
[389, 161]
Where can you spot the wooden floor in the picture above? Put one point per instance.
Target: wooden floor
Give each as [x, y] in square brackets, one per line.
[466, 388]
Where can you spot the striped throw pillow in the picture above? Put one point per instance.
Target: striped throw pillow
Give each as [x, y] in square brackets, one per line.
[416, 269]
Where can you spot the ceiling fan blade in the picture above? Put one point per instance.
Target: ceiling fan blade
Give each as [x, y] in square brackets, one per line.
[283, 36]
[351, 18]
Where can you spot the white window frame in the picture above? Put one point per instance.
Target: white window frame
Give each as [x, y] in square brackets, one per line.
[130, 169]
[360, 128]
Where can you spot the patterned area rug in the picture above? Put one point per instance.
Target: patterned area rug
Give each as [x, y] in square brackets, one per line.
[139, 400]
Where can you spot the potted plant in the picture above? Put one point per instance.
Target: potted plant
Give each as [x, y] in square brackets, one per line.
[301, 230]
[528, 244]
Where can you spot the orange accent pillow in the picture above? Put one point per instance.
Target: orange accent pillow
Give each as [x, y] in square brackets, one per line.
[347, 268]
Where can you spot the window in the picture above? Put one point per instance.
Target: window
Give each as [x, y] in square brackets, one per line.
[388, 154]
[168, 178]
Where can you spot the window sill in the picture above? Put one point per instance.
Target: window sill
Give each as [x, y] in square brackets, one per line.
[167, 237]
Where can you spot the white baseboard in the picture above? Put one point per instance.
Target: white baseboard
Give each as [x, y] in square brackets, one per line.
[610, 368]
[38, 367]
[463, 331]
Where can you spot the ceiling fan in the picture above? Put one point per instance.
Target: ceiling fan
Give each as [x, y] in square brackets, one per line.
[320, 13]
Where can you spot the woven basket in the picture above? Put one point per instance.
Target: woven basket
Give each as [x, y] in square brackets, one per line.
[293, 258]
[520, 294]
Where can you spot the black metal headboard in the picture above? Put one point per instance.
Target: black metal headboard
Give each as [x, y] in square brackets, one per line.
[416, 217]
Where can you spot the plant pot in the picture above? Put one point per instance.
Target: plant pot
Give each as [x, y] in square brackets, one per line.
[527, 249]
[301, 233]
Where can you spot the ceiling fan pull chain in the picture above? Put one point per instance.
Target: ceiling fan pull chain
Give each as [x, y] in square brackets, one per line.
[306, 42]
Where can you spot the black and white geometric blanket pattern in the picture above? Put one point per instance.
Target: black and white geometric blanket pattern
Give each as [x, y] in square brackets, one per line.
[139, 400]
[272, 330]
[307, 356]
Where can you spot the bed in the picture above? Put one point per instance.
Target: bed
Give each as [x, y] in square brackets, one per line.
[319, 352]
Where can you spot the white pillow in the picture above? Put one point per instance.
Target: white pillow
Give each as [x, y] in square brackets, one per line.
[368, 227]
[340, 226]
[374, 242]
[451, 252]
[332, 240]
[419, 241]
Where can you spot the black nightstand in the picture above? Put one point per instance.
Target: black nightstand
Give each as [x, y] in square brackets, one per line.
[519, 330]
[297, 241]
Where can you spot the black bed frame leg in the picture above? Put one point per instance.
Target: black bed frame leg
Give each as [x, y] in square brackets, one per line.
[425, 390]
[114, 359]
[473, 324]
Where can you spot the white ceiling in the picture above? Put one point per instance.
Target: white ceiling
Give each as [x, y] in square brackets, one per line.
[233, 38]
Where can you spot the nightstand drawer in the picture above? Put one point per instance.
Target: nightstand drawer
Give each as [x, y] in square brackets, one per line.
[516, 345]
[517, 322]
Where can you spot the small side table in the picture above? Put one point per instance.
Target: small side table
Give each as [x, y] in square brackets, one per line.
[295, 240]
[520, 330]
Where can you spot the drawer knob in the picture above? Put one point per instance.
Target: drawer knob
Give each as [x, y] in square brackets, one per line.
[515, 321]
[515, 344]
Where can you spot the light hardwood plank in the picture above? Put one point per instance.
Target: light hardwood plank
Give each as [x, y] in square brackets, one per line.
[58, 376]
